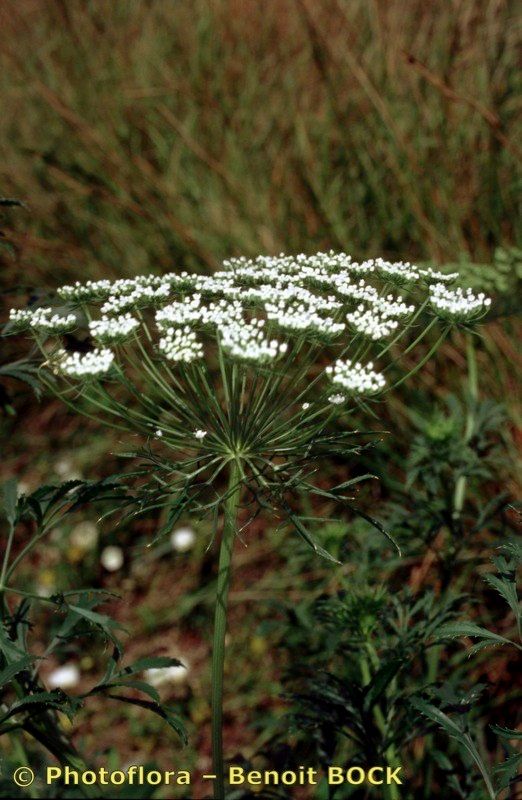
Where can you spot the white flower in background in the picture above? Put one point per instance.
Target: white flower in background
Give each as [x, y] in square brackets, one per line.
[160, 676]
[66, 469]
[90, 290]
[356, 378]
[434, 276]
[200, 435]
[158, 433]
[458, 305]
[182, 539]
[81, 365]
[84, 535]
[140, 295]
[111, 558]
[305, 406]
[64, 677]
[400, 272]
[111, 330]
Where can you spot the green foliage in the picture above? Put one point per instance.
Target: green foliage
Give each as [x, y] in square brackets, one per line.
[387, 129]
[505, 582]
[26, 703]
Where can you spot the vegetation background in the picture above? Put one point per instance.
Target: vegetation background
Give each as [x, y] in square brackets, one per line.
[149, 135]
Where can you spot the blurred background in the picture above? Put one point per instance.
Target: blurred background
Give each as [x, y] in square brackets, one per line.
[150, 135]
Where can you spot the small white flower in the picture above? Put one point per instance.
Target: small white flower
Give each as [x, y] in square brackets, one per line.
[305, 406]
[64, 677]
[200, 435]
[159, 676]
[65, 468]
[158, 433]
[182, 539]
[111, 558]
[84, 535]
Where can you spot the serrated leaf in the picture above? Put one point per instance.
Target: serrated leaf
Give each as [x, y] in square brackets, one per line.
[506, 733]
[141, 686]
[12, 670]
[455, 630]
[54, 699]
[508, 590]
[456, 732]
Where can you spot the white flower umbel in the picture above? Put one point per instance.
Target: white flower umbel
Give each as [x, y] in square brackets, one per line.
[303, 318]
[181, 345]
[109, 330]
[199, 434]
[42, 320]
[83, 365]
[458, 305]
[246, 342]
[356, 378]
[370, 323]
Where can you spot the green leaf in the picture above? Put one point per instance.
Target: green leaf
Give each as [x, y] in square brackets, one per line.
[8, 648]
[308, 538]
[379, 683]
[508, 590]
[456, 732]
[455, 630]
[14, 668]
[140, 686]
[162, 711]
[102, 621]
[55, 699]
[376, 524]
[506, 733]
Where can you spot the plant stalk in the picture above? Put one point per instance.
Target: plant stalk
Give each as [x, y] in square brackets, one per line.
[220, 626]
[460, 488]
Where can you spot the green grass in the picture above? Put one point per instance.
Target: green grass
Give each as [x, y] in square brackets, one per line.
[147, 135]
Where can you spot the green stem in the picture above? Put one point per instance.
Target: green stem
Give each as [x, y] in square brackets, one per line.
[460, 488]
[220, 626]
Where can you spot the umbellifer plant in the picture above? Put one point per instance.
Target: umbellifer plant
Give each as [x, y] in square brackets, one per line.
[243, 374]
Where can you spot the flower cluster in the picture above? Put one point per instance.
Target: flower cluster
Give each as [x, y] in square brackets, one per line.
[111, 331]
[41, 320]
[255, 312]
[458, 305]
[354, 378]
[181, 345]
[247, 342]
[371, 323]
[84, 365]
